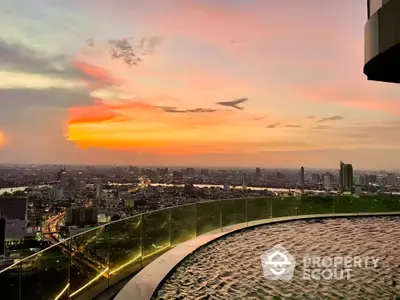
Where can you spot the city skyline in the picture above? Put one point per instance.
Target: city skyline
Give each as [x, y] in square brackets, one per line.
[252, 83]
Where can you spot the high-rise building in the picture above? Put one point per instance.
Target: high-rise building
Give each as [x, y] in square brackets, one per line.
[190, 172]
[301, 178]
[391, 179]
[56, 193]
[177, 175]
[204, 172]
[99, 189]
[258, 172]
[2, 236]
[64, 179]
[82, 216]
[128, 200]
[382, 41]
[327, 182]
[14, 208]
[227, 186]
[315, 177]
[346, 177]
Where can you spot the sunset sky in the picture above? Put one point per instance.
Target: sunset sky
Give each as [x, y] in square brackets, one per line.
[155, 82]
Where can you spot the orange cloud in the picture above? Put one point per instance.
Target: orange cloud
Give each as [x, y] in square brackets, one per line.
[99, 76]
[105, 112]
[138, 126]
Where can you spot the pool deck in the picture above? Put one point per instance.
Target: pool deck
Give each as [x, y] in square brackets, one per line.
[146, 282]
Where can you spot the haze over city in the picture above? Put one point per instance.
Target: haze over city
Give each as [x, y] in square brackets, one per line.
[192, 82]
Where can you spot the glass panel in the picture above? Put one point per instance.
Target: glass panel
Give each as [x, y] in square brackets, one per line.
[314, 205]
[45, 275]
[156, 234]
[183, 223]
[208, 216]
[385, 203]
[285, 206]
[89, 263]
[351, 204]
[125, 248]
[10, 282]
[233, 212]
[258, 209]
[363, 204]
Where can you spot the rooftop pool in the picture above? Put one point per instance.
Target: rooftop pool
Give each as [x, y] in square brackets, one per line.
[231, 267]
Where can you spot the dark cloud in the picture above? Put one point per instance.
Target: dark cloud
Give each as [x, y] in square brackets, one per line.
[334, 118]
[275, 125]
[310, 117]
[121, 49]
[90, 42]
[321, 127]
[15, 99]
[234, 103]
[258, 118]
[130, 52]
[171, 109]
[18, 57]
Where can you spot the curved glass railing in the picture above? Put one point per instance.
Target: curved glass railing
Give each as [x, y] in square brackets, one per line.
[84, 265]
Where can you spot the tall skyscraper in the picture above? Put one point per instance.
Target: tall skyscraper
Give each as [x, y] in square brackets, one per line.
[301, 178]
[346, 177]
[64, 179]
[327, 181]
[2, 236]
[391, 179]
[258, 172]
[99, 189]
[14, 210]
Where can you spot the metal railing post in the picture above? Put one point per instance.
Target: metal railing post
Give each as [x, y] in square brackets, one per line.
[272, 213]
[247, 218]
[141, 241]
[220, 215]
[197, 219]
[109, 254]
[20, 282]
[170, 227]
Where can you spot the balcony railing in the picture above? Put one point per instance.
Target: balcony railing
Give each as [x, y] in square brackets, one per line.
[84, 265]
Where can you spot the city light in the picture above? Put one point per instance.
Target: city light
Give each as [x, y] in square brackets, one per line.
[89, 283]
[62, 292]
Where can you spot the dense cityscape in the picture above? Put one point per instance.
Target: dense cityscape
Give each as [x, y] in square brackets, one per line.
[42, 204]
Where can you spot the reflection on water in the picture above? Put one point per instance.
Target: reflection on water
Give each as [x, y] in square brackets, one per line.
[230, 268]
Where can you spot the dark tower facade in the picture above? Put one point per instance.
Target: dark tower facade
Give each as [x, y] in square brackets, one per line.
[346, 177]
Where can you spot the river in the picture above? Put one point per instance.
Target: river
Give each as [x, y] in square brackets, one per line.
[21, 188]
